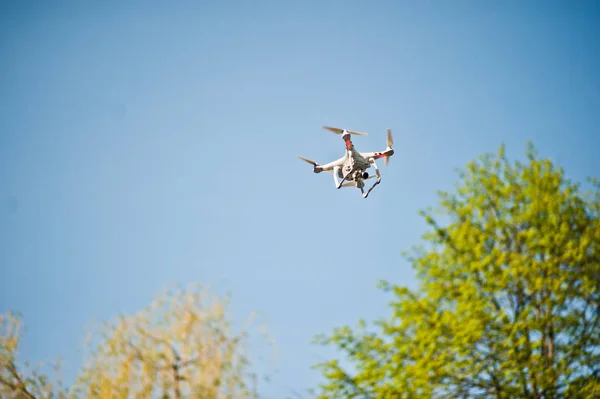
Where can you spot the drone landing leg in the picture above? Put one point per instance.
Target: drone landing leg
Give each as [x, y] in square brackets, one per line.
[365, 195]
[377, 171]
[335, 177]
[335, 171]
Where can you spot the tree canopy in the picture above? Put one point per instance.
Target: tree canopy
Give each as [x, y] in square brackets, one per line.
[509, 298]
[182, 345]
[21, 381]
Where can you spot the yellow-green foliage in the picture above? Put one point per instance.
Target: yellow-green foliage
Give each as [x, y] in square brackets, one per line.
[509, 302]
[181, 346]
[21, 382]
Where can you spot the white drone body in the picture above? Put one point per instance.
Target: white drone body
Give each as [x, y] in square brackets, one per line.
[351, 168]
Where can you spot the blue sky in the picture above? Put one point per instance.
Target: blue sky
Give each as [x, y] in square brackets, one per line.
[145, 144]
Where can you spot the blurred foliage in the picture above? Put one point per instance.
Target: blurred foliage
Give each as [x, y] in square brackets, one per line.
[509, 300]
[22, 382]
[181, 346]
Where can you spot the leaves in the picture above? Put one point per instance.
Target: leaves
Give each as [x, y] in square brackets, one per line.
[509, 298]
[183, 345]
[20, 382]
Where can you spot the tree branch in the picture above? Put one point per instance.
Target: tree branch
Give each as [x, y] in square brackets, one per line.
[20, 383]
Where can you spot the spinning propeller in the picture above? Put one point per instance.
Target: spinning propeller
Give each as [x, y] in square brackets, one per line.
[340, 131]
[310, 161]
[389, 143]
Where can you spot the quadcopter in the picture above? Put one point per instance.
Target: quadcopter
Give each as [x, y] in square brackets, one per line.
[351, 168]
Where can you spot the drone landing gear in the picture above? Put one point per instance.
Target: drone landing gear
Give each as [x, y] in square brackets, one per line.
[342, 182]
[336, 170]
[365, 195]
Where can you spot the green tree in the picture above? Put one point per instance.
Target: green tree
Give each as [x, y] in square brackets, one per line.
[509, 298]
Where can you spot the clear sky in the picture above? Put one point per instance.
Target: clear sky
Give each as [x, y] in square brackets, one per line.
[144, 144]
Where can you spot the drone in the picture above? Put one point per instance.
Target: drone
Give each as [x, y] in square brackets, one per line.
[351, 168]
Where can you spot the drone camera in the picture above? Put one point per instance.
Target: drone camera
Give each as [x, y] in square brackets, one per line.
[365, 175]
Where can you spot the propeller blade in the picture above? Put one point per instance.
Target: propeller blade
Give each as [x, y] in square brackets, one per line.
[313, 163]
[389, 143]
[337, 130]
